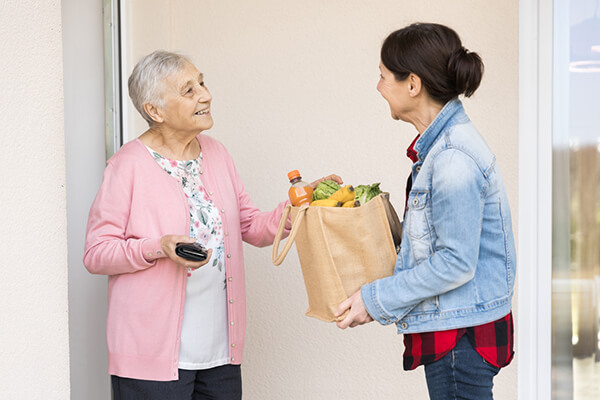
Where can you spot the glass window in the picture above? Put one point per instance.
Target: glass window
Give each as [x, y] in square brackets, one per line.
[576, 201]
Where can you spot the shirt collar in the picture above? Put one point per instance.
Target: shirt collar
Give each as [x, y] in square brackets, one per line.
[411, 152]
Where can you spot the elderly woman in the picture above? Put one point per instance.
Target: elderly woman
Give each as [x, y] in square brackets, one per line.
[175, 327]
[451, 291]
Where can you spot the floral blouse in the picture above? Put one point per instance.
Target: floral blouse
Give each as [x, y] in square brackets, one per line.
[204, 335]
[205, 222]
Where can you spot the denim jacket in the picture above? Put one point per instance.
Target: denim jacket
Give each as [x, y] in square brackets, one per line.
[456, 265]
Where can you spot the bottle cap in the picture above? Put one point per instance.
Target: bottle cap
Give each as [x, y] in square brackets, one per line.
[294, 174]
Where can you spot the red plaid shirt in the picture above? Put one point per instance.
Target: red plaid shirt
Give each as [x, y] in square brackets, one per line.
[493, 341]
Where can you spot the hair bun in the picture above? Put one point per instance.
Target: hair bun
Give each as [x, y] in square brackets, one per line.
[465, 69]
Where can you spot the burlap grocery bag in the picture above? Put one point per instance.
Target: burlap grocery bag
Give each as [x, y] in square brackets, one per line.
[340, 249]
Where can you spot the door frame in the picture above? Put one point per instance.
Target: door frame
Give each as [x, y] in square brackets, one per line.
[534, 320]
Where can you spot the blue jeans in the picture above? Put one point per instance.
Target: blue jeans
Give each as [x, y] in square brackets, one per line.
[461, 374]
[219, 383]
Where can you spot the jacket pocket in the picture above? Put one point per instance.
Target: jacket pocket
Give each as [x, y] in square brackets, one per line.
[419, 224]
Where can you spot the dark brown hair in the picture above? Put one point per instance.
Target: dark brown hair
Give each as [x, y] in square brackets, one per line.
[435, 54]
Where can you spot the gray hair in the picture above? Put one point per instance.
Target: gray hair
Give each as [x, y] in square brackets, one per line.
[146, 80]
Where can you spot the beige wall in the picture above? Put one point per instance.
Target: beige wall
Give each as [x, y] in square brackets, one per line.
[34, 347]
[294, 88]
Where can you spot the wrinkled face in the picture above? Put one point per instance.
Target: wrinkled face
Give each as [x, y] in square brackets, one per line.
[394, 92]
[187, 101]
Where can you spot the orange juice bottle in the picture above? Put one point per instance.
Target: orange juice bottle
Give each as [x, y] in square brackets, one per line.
[300, 193]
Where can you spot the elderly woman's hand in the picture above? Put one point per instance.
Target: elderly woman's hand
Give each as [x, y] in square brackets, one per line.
[168, 243]
[332, 177]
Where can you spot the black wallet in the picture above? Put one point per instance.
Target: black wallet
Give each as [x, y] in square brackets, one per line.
[191, 251]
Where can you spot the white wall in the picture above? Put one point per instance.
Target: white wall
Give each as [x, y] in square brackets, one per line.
[34, 343]
[85, 157]
[294, 88]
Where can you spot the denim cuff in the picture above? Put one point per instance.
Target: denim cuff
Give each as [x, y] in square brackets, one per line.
[368, 293]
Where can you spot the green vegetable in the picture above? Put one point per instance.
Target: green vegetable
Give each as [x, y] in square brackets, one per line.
[364, 193]
[325, 189]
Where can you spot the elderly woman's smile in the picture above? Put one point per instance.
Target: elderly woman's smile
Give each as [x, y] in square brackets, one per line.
[203, 112]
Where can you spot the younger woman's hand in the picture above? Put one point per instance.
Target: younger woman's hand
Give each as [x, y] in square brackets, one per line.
[168, 243]
[357, 314]
[332, 177]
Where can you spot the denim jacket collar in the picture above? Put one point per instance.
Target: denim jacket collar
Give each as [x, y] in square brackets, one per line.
[431, 134]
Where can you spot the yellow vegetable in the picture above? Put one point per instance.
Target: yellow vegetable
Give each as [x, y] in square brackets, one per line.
[344, 194]
[326, 203]
[351, 203]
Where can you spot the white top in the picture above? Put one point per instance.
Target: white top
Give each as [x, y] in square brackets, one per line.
[204, 334]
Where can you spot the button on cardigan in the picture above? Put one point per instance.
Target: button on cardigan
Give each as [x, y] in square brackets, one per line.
[136, 205]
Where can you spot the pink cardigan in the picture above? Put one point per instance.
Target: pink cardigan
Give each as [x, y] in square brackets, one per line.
[137, 204]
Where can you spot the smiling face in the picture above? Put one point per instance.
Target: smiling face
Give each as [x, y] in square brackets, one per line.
[396, 93]
[186, 102]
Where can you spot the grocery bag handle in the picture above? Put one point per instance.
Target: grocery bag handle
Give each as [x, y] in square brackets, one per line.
[278, 258]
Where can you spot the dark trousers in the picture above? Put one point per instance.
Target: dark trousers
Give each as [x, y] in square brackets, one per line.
[461, 374]
[219, 383]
